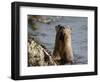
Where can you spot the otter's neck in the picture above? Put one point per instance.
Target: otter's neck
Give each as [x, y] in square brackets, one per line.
[68, 41]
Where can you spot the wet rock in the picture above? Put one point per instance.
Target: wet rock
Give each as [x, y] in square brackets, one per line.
[38, 55]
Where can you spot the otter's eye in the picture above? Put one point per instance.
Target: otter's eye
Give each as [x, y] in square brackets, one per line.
[59, 25]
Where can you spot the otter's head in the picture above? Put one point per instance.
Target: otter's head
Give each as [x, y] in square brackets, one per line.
[63, 32]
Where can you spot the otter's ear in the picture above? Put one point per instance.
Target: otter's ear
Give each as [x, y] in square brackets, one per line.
[56, 28]
[71, 29]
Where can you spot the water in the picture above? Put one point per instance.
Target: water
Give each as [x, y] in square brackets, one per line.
[46, 35]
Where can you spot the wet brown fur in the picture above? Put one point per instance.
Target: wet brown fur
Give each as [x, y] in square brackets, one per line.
[63, 53]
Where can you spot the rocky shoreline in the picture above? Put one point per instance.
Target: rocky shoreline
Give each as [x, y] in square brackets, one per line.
[38, 55]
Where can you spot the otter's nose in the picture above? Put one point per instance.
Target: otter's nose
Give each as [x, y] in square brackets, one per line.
[62, 27]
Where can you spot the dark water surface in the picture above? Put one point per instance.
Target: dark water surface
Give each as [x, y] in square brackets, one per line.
[45, 33]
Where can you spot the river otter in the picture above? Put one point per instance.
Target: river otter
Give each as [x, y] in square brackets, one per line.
[63, 53]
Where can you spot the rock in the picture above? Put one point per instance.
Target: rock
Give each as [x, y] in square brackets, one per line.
[38, 55]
